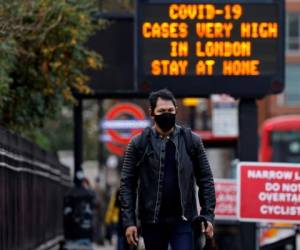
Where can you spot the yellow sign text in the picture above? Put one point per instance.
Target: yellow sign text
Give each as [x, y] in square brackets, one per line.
[214, 30]
[223, 49]
[205, 67]
[259, 30]
[204, 11]
[241, 68]
[179, 49]
[164, 30]
[169, 67]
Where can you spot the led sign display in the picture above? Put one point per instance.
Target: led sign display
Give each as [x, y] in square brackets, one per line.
[205, 47]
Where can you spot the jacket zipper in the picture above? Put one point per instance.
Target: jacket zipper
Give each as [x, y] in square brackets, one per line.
[157, 195]
[178, 171]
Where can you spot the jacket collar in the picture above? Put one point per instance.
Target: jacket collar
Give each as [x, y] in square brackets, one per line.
[174, 133]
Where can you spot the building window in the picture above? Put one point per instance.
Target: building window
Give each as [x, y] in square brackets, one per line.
[292, 84]
[293, 32]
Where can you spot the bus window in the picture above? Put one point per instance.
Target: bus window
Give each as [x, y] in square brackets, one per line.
[285, 146]
[280, 139]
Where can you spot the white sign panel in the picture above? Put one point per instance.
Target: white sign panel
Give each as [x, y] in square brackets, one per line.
[224, 116]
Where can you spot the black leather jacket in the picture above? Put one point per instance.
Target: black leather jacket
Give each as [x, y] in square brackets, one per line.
[145, 179]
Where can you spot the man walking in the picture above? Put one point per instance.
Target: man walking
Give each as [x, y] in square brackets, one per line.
[161, 166]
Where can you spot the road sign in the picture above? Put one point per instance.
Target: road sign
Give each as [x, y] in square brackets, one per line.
[114, 127]
[269, 192]
[225, 199]
[116, 44]
[224, 116]
[199, 48]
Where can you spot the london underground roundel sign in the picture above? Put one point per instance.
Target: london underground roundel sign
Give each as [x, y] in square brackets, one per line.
[114, 124]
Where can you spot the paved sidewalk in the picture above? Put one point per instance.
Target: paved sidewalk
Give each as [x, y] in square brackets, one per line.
[74, 246]
[107, 247]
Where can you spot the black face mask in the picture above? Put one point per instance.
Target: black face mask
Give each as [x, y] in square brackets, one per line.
[165, 121]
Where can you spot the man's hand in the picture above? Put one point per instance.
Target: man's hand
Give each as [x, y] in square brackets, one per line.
[132, 235]
[209, 230]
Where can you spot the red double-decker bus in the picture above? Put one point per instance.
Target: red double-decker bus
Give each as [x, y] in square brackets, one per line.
[279, 142]
[280, 139]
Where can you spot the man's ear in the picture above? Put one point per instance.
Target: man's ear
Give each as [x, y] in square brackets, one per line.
[151, 112]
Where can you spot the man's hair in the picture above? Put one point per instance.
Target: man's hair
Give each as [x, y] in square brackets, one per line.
[164, 94]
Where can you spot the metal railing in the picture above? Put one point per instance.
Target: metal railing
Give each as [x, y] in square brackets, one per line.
[32, 186]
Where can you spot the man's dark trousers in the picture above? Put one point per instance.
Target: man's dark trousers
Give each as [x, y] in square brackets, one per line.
[158, 236]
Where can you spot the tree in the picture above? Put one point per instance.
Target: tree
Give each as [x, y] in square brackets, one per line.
[43, 59]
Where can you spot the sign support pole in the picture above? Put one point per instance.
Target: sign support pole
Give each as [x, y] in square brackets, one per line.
[297, 237]
[192, 117]
[247, 149]
[78, 142]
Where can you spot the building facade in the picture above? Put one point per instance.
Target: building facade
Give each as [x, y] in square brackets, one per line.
[289, 101]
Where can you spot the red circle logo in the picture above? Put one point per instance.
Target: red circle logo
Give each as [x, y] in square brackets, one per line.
[118, 140]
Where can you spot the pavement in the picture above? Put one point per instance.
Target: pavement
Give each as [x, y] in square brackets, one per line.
[76, 246]
[107, 247]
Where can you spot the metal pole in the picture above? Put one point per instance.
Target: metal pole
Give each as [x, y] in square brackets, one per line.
[192, 117]
[101, 157]
[297, 236]
[78, 142]
[205, 120]
[247, 149]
